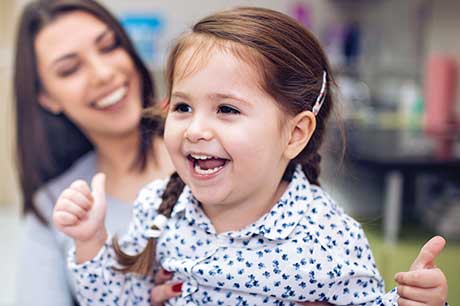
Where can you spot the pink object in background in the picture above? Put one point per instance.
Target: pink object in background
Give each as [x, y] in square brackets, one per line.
[444, 148]
[302, 13]
[439, 92]
[457, 109]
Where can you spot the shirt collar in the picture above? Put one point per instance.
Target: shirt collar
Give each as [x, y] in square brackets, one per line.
[285, 215]
[277, 224]
[185, 201]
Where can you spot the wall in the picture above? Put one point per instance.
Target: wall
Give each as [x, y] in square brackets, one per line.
[389, 29]
[8, 186]
[443, 29]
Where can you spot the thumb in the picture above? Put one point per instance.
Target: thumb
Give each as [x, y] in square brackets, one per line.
[98, 190]
[428, 253]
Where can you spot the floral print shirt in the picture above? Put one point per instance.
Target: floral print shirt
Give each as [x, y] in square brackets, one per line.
[304, 249]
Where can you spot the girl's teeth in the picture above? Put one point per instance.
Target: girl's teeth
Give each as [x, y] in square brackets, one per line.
[112, 98]
[203, 157]
[206, 172]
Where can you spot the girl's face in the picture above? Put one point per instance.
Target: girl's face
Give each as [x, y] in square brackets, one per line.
[88, 76]
[225, 134]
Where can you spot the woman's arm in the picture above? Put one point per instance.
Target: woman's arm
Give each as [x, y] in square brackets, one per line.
[42, 278]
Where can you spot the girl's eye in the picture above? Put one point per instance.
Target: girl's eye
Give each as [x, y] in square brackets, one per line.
[182, 108]
[225, 109]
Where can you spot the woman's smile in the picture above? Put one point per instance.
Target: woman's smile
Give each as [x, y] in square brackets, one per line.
[112, 99]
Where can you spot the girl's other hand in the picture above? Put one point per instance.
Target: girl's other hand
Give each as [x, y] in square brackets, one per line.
[163, 291]
[80, 214]
[424, 284]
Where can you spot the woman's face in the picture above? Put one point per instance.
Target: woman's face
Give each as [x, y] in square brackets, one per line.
[87, 75]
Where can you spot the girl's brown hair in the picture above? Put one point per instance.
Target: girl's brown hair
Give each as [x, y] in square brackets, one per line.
[48, 144]
[290, 62]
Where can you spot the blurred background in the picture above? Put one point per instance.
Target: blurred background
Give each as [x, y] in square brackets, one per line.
[397, 67]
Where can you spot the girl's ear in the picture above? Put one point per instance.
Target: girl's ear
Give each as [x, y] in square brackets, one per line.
[49, 104]
[301, 128]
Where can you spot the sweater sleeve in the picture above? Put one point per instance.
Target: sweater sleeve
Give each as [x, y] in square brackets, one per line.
[98, 282]
[42, 274]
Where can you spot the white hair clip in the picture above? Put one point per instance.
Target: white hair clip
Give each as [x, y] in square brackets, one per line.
[322, 95]
[159, 223]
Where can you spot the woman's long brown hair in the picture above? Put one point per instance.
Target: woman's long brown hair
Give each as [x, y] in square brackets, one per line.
[47, 145]
[290, 62]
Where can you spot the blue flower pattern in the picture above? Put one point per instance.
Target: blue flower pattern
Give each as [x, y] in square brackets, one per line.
[305, 249]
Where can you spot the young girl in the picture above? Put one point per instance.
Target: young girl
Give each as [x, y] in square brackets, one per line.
[250, 92]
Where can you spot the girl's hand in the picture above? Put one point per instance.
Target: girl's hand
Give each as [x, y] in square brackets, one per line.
[424, 284]
[80, 214]
[163, 291]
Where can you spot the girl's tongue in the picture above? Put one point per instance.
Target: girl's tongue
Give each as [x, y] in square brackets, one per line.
[210, 163]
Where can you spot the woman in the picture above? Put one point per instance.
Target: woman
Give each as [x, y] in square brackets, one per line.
[80, 90]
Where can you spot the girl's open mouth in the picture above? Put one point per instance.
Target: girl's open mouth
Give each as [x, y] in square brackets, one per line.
[205, 164]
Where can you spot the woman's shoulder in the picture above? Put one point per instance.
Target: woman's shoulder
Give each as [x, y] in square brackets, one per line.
[84, 168]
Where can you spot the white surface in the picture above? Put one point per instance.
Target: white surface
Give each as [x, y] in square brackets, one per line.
[392, 208]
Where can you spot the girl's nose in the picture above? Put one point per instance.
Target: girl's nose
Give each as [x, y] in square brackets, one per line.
[101, 72]
[198, 130]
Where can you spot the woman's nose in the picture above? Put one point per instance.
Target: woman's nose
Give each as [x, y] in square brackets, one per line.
[198, 130]
[101, 72]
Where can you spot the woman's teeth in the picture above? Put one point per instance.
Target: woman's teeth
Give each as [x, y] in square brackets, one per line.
[113, 98]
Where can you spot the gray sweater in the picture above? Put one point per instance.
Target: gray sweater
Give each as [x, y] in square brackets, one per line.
[42, 271]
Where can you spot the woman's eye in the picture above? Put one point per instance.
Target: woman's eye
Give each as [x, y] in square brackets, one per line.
[225, 109]
[65, 72]
[110, 44]
[182, 108]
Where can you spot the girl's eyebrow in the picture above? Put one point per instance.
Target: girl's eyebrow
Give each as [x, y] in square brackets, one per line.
[212, 96]
[180, 95]
[224, 96]
[71, 55]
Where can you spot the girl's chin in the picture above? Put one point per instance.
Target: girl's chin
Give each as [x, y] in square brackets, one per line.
[207, 197]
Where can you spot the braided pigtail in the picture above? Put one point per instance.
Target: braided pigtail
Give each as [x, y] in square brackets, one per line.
[311, 168]
[141, 263]
[310, 163]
